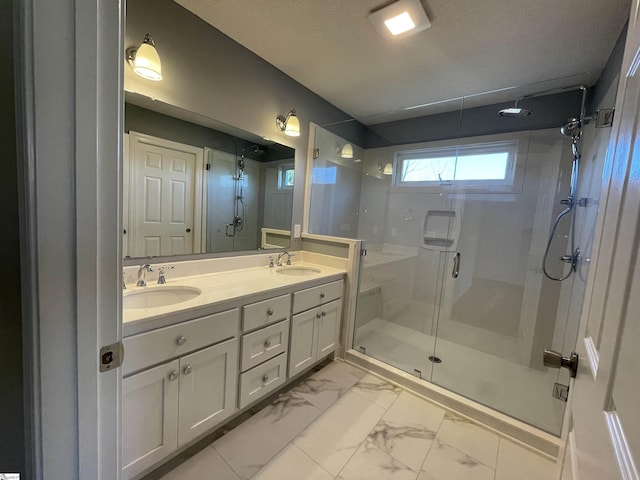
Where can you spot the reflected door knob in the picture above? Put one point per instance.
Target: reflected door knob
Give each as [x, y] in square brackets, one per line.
[554, 359]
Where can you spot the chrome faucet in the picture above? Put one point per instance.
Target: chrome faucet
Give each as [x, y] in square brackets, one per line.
[289, 255]
[161, 279]
[141, 274]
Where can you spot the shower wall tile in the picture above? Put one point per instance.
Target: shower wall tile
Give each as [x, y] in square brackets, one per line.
[334, 438]
[445, 462]
[469, 438]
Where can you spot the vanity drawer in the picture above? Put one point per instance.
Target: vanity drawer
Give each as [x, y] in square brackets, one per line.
[263, 313]
[156, 346]
[264, 344]
[262, 379]
[312, 297]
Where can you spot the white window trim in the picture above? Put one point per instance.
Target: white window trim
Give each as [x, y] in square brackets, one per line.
[511, 184]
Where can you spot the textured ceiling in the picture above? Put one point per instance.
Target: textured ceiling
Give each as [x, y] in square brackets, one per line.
[472, 47]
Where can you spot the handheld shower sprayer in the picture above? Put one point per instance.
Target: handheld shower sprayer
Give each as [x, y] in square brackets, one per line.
[571, 128]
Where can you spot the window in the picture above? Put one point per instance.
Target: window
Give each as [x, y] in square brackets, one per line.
[286, 177]
[469, 165]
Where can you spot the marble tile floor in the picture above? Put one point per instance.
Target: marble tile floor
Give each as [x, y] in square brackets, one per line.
[342, 423]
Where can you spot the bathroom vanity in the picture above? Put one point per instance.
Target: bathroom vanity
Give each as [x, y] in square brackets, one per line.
[192, 365]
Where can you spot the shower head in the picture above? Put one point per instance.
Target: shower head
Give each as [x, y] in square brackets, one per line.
[515, 111]
[572, 128]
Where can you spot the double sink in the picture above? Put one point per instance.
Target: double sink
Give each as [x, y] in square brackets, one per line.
[165, 295]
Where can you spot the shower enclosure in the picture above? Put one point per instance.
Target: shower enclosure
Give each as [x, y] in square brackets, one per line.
[452, 288]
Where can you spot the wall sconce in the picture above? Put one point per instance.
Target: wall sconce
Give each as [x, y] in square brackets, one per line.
[387, 169]
[289, 125]
[145, 60]
[346, 151]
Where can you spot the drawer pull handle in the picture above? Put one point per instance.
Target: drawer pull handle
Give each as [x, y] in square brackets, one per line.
[181, 340]
[265, 378]
[321, 294]
[173, 376]
[270, 311]
[187, 370]
[324, 314]
[267, 344]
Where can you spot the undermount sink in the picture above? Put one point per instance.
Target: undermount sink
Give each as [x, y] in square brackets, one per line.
[297, 271]
[152, 297]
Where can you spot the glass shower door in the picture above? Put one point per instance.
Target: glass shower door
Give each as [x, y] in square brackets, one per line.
[499, 311]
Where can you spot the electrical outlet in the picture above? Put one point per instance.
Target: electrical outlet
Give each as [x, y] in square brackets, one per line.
[394, 232]
[296, 230]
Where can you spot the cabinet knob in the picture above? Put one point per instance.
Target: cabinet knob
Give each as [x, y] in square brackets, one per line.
[187, 370]
[181, 340]
[321, 294]
[267, 344]
[265, 378]
[173, 376]
[270, 311]
[318, 315]
[324, 314]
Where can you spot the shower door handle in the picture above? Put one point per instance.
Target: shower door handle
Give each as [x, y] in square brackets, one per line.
[456, 265]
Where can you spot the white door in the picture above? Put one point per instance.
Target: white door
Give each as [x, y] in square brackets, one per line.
[605, 439]
[149, 417]
[208, 385]
[165, 197]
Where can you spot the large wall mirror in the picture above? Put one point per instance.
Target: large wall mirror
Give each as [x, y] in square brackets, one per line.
[194, 185]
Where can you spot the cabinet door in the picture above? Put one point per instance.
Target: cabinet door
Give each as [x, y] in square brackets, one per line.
[149, 417]
[208, 385]
[327, 325]
[302, 350]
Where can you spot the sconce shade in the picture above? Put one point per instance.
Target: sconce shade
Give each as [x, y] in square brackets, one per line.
[388, 169]
[145, 60]
[346, 151]
[289, 125]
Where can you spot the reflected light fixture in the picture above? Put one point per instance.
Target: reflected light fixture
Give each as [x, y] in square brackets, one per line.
[145, 60]
[515, 111]
[290, 124]
[401, 18]
[387, 169]
[346, 151]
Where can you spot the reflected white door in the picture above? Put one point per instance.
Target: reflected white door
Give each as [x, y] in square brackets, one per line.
[165, 197]
[605, 439]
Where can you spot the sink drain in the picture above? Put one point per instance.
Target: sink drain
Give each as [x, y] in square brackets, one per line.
[434, 359]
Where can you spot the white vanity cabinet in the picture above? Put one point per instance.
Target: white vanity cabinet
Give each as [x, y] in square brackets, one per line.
[263, 357]
[167, 406]
[314, 327]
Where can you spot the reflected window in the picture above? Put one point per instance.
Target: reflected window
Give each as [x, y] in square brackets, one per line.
[477, 164]
[286, 177]
[325, 175]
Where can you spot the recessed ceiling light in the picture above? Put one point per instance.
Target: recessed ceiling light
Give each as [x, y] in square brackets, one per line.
[401, 18]
[400, 23]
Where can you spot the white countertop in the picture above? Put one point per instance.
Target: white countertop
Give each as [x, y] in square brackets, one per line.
[227, 286]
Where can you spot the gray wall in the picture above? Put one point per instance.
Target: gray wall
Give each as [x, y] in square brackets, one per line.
[12, 440]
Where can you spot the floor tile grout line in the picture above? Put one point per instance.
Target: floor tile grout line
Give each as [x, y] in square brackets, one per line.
[290, 441]
[225, 461]
[311, 458]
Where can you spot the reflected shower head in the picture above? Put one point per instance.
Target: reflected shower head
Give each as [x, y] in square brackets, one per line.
[515, 111]
[572, 128]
